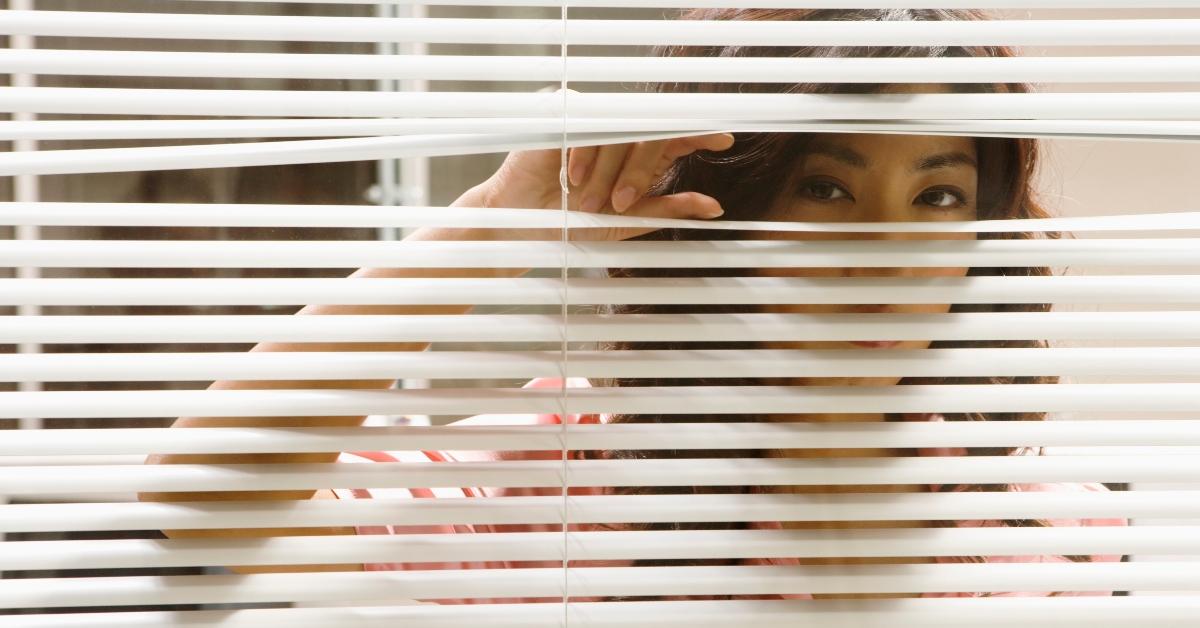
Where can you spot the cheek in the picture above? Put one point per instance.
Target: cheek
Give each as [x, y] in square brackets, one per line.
[947, 271]
[903, 308]
[935, 271]
[790, 271]
[924, 308]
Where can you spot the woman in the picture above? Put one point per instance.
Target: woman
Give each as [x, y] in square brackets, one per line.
[748, 176]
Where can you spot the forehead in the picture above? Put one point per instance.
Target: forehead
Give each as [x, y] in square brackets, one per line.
[910, 147]
[886, 148]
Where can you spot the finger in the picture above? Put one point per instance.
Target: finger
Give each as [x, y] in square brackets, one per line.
[638, 172]
[680, 147]
[686, 205]
[682, 205]
[579, 163]
[597, 189]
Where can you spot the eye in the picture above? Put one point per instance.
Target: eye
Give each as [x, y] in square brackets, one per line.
[823, 190]
[942, 198]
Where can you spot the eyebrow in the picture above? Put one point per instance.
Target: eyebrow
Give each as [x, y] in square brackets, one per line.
[853, 158]
[945, 160]
[848, 156]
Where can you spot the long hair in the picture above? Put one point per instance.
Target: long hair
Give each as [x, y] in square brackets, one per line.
[745, 180]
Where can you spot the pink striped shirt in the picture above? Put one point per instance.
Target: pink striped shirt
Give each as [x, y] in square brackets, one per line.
[553, 419]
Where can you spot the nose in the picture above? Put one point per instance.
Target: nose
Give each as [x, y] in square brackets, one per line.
[885, 271]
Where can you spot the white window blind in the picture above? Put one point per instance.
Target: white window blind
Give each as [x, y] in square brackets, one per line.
[666, 504]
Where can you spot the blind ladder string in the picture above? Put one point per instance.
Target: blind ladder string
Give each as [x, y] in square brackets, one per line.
[563, 182]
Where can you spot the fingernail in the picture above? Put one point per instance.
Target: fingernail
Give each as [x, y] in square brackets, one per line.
[714, 213]
[624, 198]
[590, 204]
[575, 174]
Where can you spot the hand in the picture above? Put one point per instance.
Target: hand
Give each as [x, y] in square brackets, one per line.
[612, 178]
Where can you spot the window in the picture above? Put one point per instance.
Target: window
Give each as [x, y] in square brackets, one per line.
[308, 319]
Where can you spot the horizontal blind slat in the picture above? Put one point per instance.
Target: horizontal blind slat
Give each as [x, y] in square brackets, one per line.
[579, 546]
[221, 102]
[598, 581]
[1102, 612]
[641, 254]
[1059, 289]
[1120, 397]
[313, 66]
[244, 154]
[1063, 32]
[483, 364]
[1109, 326]
[99, 460]
[1178, 130]
[1052, 501]
[640, 472]
[259, 215]
[790, 435]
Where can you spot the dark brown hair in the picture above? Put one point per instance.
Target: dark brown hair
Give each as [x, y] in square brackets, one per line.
[746, 178]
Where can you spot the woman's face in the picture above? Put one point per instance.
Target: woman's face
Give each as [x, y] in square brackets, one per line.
[875, 178]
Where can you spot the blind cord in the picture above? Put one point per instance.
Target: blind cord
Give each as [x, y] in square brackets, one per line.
[565, 348]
